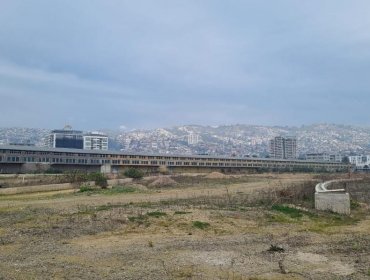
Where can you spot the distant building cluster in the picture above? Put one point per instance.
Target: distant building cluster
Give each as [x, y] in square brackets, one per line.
[76, 139]
[283, 147]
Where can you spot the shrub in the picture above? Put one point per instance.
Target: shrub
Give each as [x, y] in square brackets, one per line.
[99, 179]
[76, 176]
[133, 173]
[354, 204]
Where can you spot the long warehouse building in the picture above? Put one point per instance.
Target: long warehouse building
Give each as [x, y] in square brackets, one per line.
[23, 159]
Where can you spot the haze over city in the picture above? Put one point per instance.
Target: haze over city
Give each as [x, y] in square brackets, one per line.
[147, 64]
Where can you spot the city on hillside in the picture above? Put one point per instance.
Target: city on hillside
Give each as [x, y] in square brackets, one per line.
[321, 142]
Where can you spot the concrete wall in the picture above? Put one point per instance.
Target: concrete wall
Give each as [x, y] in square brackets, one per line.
[336, 202]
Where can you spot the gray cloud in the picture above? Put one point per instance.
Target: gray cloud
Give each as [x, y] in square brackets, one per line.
[156, 63]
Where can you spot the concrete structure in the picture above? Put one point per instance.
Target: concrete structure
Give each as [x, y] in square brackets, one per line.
[95, 141]
[324, 157]
[18, 159]
[335, 200]
[283, 147]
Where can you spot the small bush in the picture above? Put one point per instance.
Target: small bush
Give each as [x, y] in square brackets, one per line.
[133, 173]
[275, 248]
[76, 176]
[99, 179]
[200, 225]
[354, 204]
[86, 188]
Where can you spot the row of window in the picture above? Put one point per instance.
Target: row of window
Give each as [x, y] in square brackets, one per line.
[172, 161]
[137, 162]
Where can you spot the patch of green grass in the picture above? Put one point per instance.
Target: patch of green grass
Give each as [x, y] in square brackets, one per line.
[324, 223]
[280, 218]
[86, 188]
[156, 214]
[200, 225]
[119, 189]
[181, 212]
[292, 212]
[138, 218]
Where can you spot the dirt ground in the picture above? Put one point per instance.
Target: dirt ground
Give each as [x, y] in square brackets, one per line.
[242, 227]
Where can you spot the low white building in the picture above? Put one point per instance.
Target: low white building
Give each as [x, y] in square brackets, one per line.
[323, 157]
[360, 161]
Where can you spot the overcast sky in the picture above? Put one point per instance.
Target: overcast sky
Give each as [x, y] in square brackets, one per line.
[145, 64]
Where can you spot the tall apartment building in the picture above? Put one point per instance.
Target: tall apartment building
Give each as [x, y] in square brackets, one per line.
[283, 147]
[95, 141]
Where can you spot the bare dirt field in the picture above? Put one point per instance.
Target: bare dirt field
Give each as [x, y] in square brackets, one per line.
[233, 227]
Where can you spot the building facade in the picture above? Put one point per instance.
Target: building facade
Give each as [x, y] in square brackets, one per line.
[361, 161]
[323, 157]
[23, 159]
[66, 138]
[95, 141]
[283, 147]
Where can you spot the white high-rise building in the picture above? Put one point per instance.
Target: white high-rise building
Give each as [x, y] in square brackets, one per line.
[193, 139]
[95, 141]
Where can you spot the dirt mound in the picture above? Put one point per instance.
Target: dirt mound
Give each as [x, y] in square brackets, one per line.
[163, 182]
[216, 175]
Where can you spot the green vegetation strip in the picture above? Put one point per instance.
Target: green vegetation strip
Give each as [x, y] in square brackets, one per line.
[114, 190]
[200, 225]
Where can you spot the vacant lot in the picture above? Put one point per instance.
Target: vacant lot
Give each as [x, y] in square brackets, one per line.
[242, 227]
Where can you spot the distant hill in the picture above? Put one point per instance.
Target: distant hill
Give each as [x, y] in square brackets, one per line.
[239, 140]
